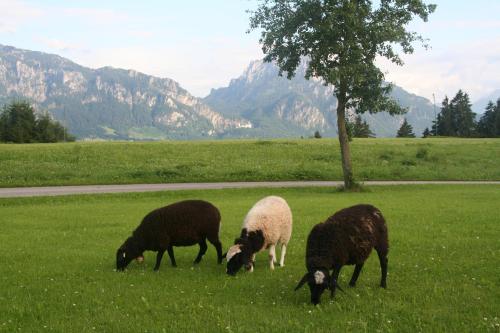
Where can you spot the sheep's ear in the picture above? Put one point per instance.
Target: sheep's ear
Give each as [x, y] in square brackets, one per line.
[301, 283]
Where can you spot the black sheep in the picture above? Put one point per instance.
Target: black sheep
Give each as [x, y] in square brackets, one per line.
[183, 223]
[345, 238]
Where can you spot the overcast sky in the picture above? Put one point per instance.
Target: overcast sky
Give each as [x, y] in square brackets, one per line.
[203, 44]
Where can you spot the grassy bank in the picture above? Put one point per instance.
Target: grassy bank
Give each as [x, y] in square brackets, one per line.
[246, 160]
[58, 258]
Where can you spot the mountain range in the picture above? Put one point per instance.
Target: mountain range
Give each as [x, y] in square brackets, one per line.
[107, 102]
[111, 103]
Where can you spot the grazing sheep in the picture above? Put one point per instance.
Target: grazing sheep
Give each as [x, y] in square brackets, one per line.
[183, 223]
[345, 238]
[268, 223]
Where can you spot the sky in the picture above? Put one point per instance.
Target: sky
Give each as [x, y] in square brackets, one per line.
[204, 44]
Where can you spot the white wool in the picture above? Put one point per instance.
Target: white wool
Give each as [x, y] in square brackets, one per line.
[273, 217]
[233, 250]
[319, 277]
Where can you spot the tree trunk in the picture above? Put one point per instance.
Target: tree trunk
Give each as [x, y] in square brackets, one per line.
[344, 144]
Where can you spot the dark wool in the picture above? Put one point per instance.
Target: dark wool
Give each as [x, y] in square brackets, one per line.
[345, 238]
[183, 223]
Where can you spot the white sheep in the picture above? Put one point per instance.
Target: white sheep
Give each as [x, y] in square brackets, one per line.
[268, 223]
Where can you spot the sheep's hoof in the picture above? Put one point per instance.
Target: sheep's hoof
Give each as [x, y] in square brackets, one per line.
[383, 285]
[352, 284]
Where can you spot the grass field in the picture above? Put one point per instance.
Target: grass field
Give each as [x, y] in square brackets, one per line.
[57, 260]
[246, 160]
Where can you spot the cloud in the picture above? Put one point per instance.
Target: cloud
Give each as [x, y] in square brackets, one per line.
[198, 66]
[61, 46]
[97, 15]
[14, 13]
[143, 34]
[471, 67]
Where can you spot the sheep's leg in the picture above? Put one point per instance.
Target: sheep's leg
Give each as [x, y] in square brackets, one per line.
[171, 255]
[355, 275]
[218, 248]
[382, 256]
[283, 252]
[159, 255]
[203, 249]
[335, 279]
[272, 256]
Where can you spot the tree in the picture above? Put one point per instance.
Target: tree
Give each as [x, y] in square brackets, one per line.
[464, 118]
[426, 133]
[406, 130]
[19, 124]
[358, 129]
[340, 40]
[489, 124]
[317, 135]
[456, 117]
[362, 129]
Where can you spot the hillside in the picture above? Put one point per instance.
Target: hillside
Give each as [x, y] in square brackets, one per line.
[111, 103]
[301, 106]
[84, 163]
[107, 102]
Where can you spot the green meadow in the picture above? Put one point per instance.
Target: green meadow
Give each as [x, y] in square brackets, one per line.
[57, 253]
[246, 160]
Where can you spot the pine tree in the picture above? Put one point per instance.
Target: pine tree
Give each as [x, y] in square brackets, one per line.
[426, 133]
[405, 131]
[463, 117]
[497, 117]
[456, 117]
[19, 124]
[486, 127]
[361, 129]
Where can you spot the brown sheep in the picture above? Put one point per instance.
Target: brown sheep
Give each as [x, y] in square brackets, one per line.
[345, 238]
[183, 223]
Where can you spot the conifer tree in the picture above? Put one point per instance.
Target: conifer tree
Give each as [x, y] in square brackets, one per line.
[19, 124]
[406, 130]
[361, 129]
[489, 124]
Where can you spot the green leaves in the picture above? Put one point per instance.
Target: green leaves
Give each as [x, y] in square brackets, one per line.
[18, 124]
[341, 40]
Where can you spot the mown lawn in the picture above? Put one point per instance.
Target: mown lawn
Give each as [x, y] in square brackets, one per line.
[246, 160]
[57, 260]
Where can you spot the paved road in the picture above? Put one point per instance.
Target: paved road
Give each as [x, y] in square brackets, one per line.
[93, 189]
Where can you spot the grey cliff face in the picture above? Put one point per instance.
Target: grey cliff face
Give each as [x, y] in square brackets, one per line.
[306, 105]
[114, 103]
[108, 102]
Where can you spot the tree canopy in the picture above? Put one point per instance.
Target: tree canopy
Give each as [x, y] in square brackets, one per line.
[489, 124]
[406, 130]
[340, 40]
[19, 124]
[359, 129]
[456, 117]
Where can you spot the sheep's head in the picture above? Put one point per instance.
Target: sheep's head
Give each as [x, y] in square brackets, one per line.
[318, 280]
[237, 256]
[126, 253]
